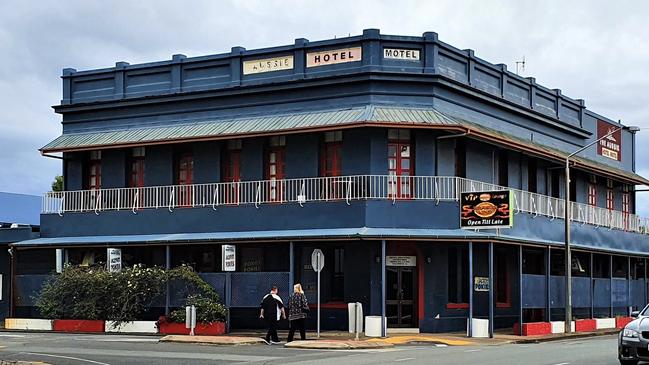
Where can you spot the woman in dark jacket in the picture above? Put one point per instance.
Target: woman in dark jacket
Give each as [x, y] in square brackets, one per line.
[297, 311]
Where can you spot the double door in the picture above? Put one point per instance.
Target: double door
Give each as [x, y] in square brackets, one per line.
[400, 296]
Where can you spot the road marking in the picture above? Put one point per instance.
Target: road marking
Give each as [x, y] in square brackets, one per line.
[441, 345]
[16, 336]
[404, 359]
[475, 350]
[66, 357]
[563, 363]
[119, 339]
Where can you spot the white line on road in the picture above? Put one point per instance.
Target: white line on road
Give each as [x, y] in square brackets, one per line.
[404, 359]
[563, 363]
[66, 357]
[441, 345]
[475, 350]
[13, 336]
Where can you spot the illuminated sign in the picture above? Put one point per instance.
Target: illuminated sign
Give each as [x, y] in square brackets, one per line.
[610, 146]
[401, 54]
[333, 57]
[267, 65]
[486, 209]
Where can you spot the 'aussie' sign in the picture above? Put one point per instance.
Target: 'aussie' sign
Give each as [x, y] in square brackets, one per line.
[486, 209]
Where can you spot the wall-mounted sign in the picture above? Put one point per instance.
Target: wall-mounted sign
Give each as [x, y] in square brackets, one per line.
[610, 146]
[486, 209]
[401, 54]
[401, 260]
[114, 259]
[334, 56]
[480, 283]
[267, 65]
[228, 258]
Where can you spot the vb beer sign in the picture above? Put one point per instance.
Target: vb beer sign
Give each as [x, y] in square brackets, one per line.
[486, 209]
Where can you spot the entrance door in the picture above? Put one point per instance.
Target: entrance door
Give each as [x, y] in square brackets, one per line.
[400, 296]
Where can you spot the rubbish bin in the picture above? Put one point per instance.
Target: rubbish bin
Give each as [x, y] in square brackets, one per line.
[373, 326]
[480, 328]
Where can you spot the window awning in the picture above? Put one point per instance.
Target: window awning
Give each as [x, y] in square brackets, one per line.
[298, 122]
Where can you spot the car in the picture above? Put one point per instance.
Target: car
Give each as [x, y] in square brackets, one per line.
[633, 339]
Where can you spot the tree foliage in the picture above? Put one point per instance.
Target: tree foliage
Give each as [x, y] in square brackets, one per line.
[96, 294]
[57, 184]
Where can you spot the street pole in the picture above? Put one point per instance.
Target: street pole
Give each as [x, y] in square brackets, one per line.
[567, 218]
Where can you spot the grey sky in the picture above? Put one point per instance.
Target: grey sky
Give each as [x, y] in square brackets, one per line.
[595, 50]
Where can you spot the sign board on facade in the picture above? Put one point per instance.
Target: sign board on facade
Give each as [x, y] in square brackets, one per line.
[401, 54]
[267, 65]
[334, 56]
[610, 146]
[480, 283]
[228, 258]
[317, 260]
[486, 209]
[114, 259]
[401, 260]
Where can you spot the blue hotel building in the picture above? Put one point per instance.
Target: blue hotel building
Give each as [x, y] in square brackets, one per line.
[357, 146]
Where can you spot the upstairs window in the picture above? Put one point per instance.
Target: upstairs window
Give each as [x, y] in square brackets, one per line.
[232, 171]
[274, 166]
[136, 168]
[184, 178]
[331, 155]
[592, 191]
[532, 171]
[400, 163]
[626, 205]
[503, 168]
[460, 158]
[610, 195]
[93, 174]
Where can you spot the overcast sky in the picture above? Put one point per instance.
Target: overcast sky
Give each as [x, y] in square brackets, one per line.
[595, 50]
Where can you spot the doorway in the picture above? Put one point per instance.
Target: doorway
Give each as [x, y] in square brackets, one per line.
[400, 296]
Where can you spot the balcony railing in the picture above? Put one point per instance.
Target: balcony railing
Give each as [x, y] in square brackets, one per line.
[323, 189]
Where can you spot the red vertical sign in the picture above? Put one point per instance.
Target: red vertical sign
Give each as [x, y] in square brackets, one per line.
[610, 146]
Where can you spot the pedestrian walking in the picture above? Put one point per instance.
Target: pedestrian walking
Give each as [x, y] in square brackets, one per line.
[298, 308]
[272, 310]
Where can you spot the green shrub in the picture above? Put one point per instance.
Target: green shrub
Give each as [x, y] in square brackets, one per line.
[95, 294]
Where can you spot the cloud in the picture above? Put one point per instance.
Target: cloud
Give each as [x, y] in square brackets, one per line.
[595, 50]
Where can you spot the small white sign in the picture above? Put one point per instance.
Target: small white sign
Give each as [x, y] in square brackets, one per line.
[267, 65]
[229, 258]
[401, 54]
[334, 56]
[401, 260]
[114, 259]
[481, 283]
[317, 260]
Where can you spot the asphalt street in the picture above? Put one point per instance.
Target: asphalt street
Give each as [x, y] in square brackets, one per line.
[77, 349]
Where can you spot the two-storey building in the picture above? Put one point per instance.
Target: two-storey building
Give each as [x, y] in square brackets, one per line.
[357, 146]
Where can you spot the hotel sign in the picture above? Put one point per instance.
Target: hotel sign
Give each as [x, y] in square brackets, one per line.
[486, 209]
[401, 54]
[480, 283]
[267, 65]
[333, 57]
[228, 258]
[610, 146]
[406, 261]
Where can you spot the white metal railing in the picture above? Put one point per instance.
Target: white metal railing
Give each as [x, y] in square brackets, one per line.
[317, 189]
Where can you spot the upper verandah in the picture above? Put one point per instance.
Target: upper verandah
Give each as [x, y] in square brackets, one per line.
[373, 52]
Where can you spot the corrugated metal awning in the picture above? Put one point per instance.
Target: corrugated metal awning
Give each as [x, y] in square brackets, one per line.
[313, 120]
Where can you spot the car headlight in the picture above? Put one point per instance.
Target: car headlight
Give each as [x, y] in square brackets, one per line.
[629, 333]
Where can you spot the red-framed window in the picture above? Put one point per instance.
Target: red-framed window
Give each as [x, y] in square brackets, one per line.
[610, 195]
[93, 180]
[400, 164]
[592, 192]
[232, 170]
[136, 168]
[626, 206]
[184, 178]
[275, 154]
[331, 156]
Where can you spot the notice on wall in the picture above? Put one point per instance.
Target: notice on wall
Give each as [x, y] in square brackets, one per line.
[228, 258]
[401, 54]
[267, 65]
[400, 260]
[480, 283]
[334, 56]
[486, 209]
[609, 146]
[114, 259]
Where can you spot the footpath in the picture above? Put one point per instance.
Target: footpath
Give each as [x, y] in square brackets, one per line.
[346, 341]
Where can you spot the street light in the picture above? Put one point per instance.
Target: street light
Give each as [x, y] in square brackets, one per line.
[568, 217]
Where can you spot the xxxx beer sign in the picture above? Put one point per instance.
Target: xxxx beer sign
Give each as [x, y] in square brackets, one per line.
[486, 209]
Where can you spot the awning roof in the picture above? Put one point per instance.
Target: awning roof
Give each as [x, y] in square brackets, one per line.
[361, 233]
[370, 115]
